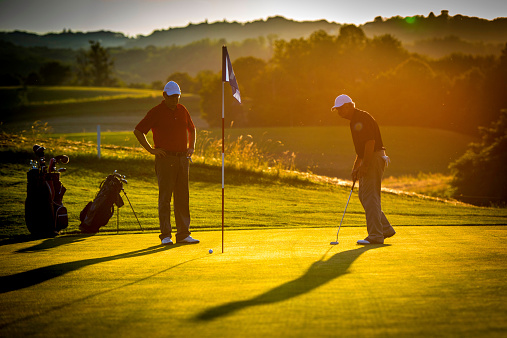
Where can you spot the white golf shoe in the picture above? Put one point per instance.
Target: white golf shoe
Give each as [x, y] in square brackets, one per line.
[368, 241]
[167, 241]
[188, 240]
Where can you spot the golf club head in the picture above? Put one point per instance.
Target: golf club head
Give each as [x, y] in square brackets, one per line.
[38, 150]
[33, 164]
[334, 243]
[62, 159]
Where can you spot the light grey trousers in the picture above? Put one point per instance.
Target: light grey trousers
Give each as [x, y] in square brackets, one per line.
[172, 175]
[369, 195]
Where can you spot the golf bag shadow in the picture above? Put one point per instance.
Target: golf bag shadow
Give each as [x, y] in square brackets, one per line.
[97, 213]
[45, 214]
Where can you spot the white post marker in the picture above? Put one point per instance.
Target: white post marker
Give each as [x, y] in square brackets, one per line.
[98, 140]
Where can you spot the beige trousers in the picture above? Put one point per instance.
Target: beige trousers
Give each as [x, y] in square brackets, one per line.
[172, 174]
[369, 195]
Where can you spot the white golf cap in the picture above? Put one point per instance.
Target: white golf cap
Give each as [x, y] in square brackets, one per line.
[172, 88]
[341, 100]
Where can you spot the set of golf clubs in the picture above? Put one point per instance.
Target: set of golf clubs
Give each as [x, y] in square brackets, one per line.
[123, 180]
[41, 163]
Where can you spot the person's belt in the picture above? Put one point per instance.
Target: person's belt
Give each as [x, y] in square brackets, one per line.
[176, 153]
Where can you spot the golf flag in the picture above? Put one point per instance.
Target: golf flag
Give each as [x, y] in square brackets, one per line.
[228, 74]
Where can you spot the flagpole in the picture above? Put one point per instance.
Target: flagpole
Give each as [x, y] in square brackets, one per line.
[227, 76]
[223, 166]
[223, 149]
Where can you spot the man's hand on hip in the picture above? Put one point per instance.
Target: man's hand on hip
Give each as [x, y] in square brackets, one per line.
[158, 152]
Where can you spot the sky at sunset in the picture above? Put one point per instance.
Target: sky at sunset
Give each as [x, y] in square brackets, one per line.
[134, 17]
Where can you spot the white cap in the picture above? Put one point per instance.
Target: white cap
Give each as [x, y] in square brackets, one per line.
[341, 100]
[172, 88]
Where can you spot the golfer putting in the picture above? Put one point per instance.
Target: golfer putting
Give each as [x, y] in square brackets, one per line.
[368, 169]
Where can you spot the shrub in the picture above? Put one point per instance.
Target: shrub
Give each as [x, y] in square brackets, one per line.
[479, 175]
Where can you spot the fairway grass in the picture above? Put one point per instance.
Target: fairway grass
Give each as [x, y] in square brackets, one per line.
[426, 281]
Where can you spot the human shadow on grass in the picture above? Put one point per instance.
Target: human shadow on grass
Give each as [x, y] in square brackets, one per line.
[319, 273]
[33, 277]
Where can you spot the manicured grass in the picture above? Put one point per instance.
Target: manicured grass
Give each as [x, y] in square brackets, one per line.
[81, 109]
[43, 95]
[324, 150]
[252, 200]
[329, 150]
[56, 95]
[278, 276]
[426, 281]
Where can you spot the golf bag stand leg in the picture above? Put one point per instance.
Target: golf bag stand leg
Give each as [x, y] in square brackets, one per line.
[124, 193]
[117, 220]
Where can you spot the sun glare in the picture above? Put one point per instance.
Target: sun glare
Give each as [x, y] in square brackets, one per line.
[410, 19]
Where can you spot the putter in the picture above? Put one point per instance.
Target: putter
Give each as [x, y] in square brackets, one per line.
[353, 184]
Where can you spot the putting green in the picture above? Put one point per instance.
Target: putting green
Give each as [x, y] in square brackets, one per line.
[426, 281]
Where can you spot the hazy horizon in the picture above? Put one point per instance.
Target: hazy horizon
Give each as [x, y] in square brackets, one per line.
[142, 17]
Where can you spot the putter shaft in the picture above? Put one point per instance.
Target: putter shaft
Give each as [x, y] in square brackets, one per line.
[353, 184]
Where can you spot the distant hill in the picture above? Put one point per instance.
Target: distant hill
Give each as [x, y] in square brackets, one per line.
[273, 28]
[197, 47]
[408, 30]
[64, 40]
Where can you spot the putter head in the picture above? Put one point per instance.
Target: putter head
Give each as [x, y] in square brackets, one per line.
[334, 243]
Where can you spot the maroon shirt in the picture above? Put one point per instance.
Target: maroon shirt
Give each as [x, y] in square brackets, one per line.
[364, 128]
[169, 127]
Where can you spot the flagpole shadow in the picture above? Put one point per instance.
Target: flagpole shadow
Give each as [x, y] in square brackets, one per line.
[319, 273]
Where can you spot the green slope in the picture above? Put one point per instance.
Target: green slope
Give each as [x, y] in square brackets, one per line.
[428, 281]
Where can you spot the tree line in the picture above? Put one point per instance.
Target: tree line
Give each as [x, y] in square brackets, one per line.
[297, 86]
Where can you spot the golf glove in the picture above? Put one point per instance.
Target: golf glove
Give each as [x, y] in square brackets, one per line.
[387, 160]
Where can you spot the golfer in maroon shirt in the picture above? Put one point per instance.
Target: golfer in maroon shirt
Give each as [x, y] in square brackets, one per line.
[174, 142]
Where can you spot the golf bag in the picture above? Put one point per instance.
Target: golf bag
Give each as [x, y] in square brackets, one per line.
[45, 214]
[97, 213]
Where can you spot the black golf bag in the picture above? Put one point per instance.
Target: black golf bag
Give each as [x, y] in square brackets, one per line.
[98, 212]
[45, 214]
